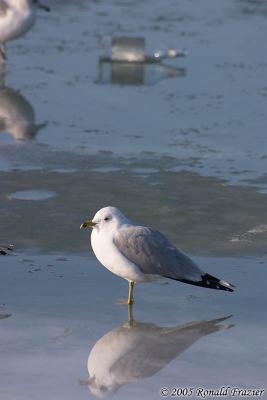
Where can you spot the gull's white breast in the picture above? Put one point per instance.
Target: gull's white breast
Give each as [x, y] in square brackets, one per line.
[107, 253]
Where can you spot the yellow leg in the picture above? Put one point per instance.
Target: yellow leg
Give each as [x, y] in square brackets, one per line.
[130, 293]
[130, 315]
[3, 52]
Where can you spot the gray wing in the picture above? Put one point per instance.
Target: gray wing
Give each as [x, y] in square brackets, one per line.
[154, 254]
[3, 7]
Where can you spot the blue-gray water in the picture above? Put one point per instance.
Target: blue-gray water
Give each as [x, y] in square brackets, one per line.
[182, 149]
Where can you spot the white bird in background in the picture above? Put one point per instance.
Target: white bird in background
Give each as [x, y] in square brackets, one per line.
[138, 350]
[16, 18]
[141, 254]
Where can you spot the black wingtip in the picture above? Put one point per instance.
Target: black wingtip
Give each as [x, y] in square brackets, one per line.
[210, 282]
[222, 319]
[5, 249]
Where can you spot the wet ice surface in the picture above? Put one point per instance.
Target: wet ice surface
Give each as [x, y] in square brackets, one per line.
[185, 153]
[62, 306]
[32, 195]
[201, 215]
[215, 113]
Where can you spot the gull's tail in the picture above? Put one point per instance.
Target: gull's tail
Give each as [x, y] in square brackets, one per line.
[209, 281]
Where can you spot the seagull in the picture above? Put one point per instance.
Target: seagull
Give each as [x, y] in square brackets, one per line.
[139, 253]
[16, 18]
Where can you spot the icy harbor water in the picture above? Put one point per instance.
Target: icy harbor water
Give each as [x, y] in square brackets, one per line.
[182, 152]
[64, 309]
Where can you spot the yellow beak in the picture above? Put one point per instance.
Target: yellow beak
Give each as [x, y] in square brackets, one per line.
[87, 224]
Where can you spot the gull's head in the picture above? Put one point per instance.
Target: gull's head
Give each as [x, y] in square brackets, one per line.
[107, 218]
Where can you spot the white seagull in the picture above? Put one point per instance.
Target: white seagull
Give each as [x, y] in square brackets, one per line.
[16, 18]
[142, 254]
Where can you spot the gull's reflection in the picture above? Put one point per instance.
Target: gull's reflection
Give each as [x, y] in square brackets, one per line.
[137, 350]
[4, 316]
[138, 73]
[2, 75]
[17, 115]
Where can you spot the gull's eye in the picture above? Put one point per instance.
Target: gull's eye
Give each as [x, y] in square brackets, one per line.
[106, 219]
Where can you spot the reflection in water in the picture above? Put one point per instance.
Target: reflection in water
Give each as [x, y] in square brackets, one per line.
[17, 115]
[4, 316]
[2, 75]
[137, 350]
[125, 73]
